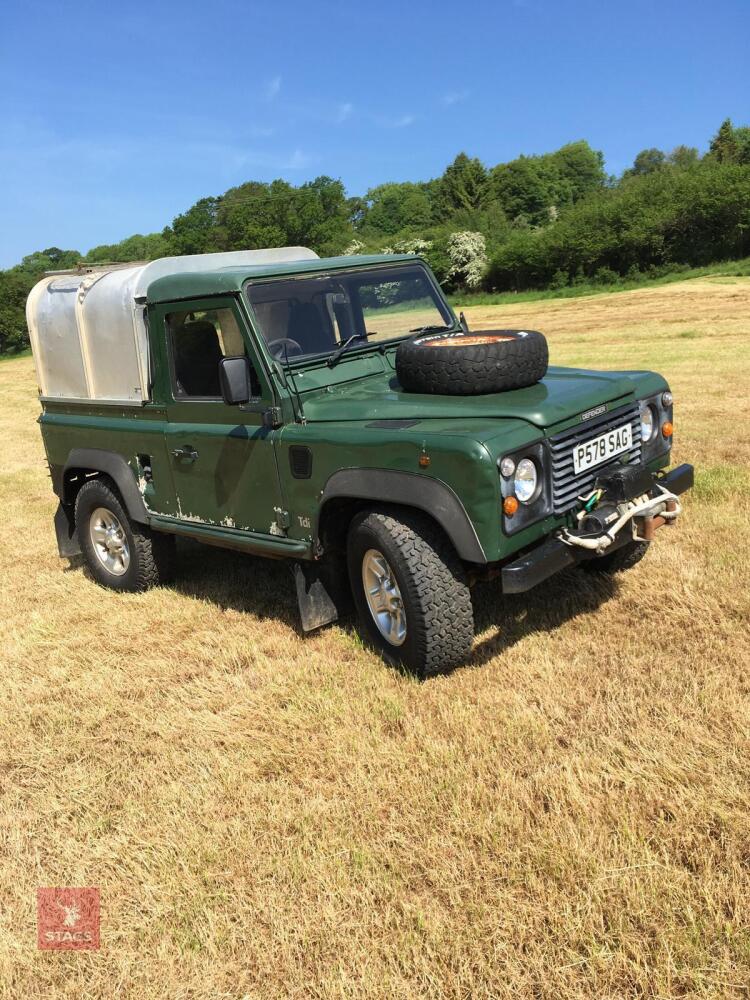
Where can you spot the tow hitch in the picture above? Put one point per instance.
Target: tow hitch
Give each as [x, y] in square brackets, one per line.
[649, 525]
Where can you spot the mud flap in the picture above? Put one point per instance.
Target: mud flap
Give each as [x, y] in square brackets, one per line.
[67, 539]
[316, 607]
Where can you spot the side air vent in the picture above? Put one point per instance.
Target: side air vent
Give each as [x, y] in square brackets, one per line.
[300, 461]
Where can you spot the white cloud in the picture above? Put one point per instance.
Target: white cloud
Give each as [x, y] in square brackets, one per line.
[343, 112]
[455, 97]
[272, 88]
[83, 152]
[401, 121]
[298, 160]
[231, 158]
[107, 154]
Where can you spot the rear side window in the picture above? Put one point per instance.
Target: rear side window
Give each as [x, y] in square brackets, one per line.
[198, 340]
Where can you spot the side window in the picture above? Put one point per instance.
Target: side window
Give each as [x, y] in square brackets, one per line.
[198, 340]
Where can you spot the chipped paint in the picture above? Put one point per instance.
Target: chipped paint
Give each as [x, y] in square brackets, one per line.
[228, 521]
[189, 517]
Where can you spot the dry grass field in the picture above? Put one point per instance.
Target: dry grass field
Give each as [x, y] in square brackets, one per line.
[272, 816]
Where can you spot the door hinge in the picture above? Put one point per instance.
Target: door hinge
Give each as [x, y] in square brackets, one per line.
[272, 417]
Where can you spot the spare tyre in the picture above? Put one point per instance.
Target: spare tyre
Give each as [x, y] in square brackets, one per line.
[468, 364]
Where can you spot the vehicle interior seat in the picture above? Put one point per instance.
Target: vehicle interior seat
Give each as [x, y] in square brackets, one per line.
[196, 358]
[309, 328]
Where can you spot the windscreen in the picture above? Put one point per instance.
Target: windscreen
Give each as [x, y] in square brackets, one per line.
[314, 315]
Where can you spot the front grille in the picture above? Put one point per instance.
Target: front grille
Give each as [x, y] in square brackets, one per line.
[566, 486]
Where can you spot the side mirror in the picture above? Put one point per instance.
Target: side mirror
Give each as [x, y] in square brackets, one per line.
[235, 381]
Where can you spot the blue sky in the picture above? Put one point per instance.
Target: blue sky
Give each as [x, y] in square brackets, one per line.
[117, 116]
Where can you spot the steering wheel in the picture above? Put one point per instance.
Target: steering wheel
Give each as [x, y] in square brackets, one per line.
[276, 347]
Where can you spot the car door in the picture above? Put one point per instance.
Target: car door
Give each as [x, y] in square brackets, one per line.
[223, 457]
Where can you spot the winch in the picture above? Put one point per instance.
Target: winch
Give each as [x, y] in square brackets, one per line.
[623, 495]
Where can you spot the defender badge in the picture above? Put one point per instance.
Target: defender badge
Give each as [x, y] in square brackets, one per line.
[595, 412]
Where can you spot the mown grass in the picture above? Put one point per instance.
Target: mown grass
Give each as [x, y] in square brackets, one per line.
[271, 816]
[724, 272]
[16, 355]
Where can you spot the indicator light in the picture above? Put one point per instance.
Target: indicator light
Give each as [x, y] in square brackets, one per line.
[667, 429]
[510, 506]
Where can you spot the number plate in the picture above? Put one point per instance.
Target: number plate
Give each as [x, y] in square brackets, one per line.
[599, 449]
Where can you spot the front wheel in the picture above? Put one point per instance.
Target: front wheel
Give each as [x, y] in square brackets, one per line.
[410, 590]
[619, 560]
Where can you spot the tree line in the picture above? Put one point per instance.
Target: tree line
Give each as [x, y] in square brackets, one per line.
[543, 221]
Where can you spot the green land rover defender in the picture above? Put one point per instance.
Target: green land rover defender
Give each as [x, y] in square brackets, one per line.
[337, 414]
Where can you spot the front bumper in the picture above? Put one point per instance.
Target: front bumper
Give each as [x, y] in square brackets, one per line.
[553, 554]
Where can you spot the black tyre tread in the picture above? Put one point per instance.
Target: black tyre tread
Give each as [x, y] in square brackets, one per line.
[472, 370]
[444, 629]
[152, 554]
[619, 560]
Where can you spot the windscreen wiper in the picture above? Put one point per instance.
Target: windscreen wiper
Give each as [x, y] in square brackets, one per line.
[336, 356]
[431, 329]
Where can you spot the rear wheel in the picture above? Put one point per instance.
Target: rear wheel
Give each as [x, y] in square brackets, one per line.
[410, 590]
[119, 553]
[619, 560]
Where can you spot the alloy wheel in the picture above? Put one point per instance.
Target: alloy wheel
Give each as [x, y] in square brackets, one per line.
[383, 597]
[109, 541]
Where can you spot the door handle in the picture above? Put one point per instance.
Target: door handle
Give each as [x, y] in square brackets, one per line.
[187, 451]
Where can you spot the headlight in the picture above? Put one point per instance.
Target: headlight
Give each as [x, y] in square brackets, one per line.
[525, 482]
[648, 422]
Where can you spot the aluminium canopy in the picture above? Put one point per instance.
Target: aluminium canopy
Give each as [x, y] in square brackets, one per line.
[88, 330]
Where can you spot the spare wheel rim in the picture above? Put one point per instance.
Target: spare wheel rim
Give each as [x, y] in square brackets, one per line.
[471, 340]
